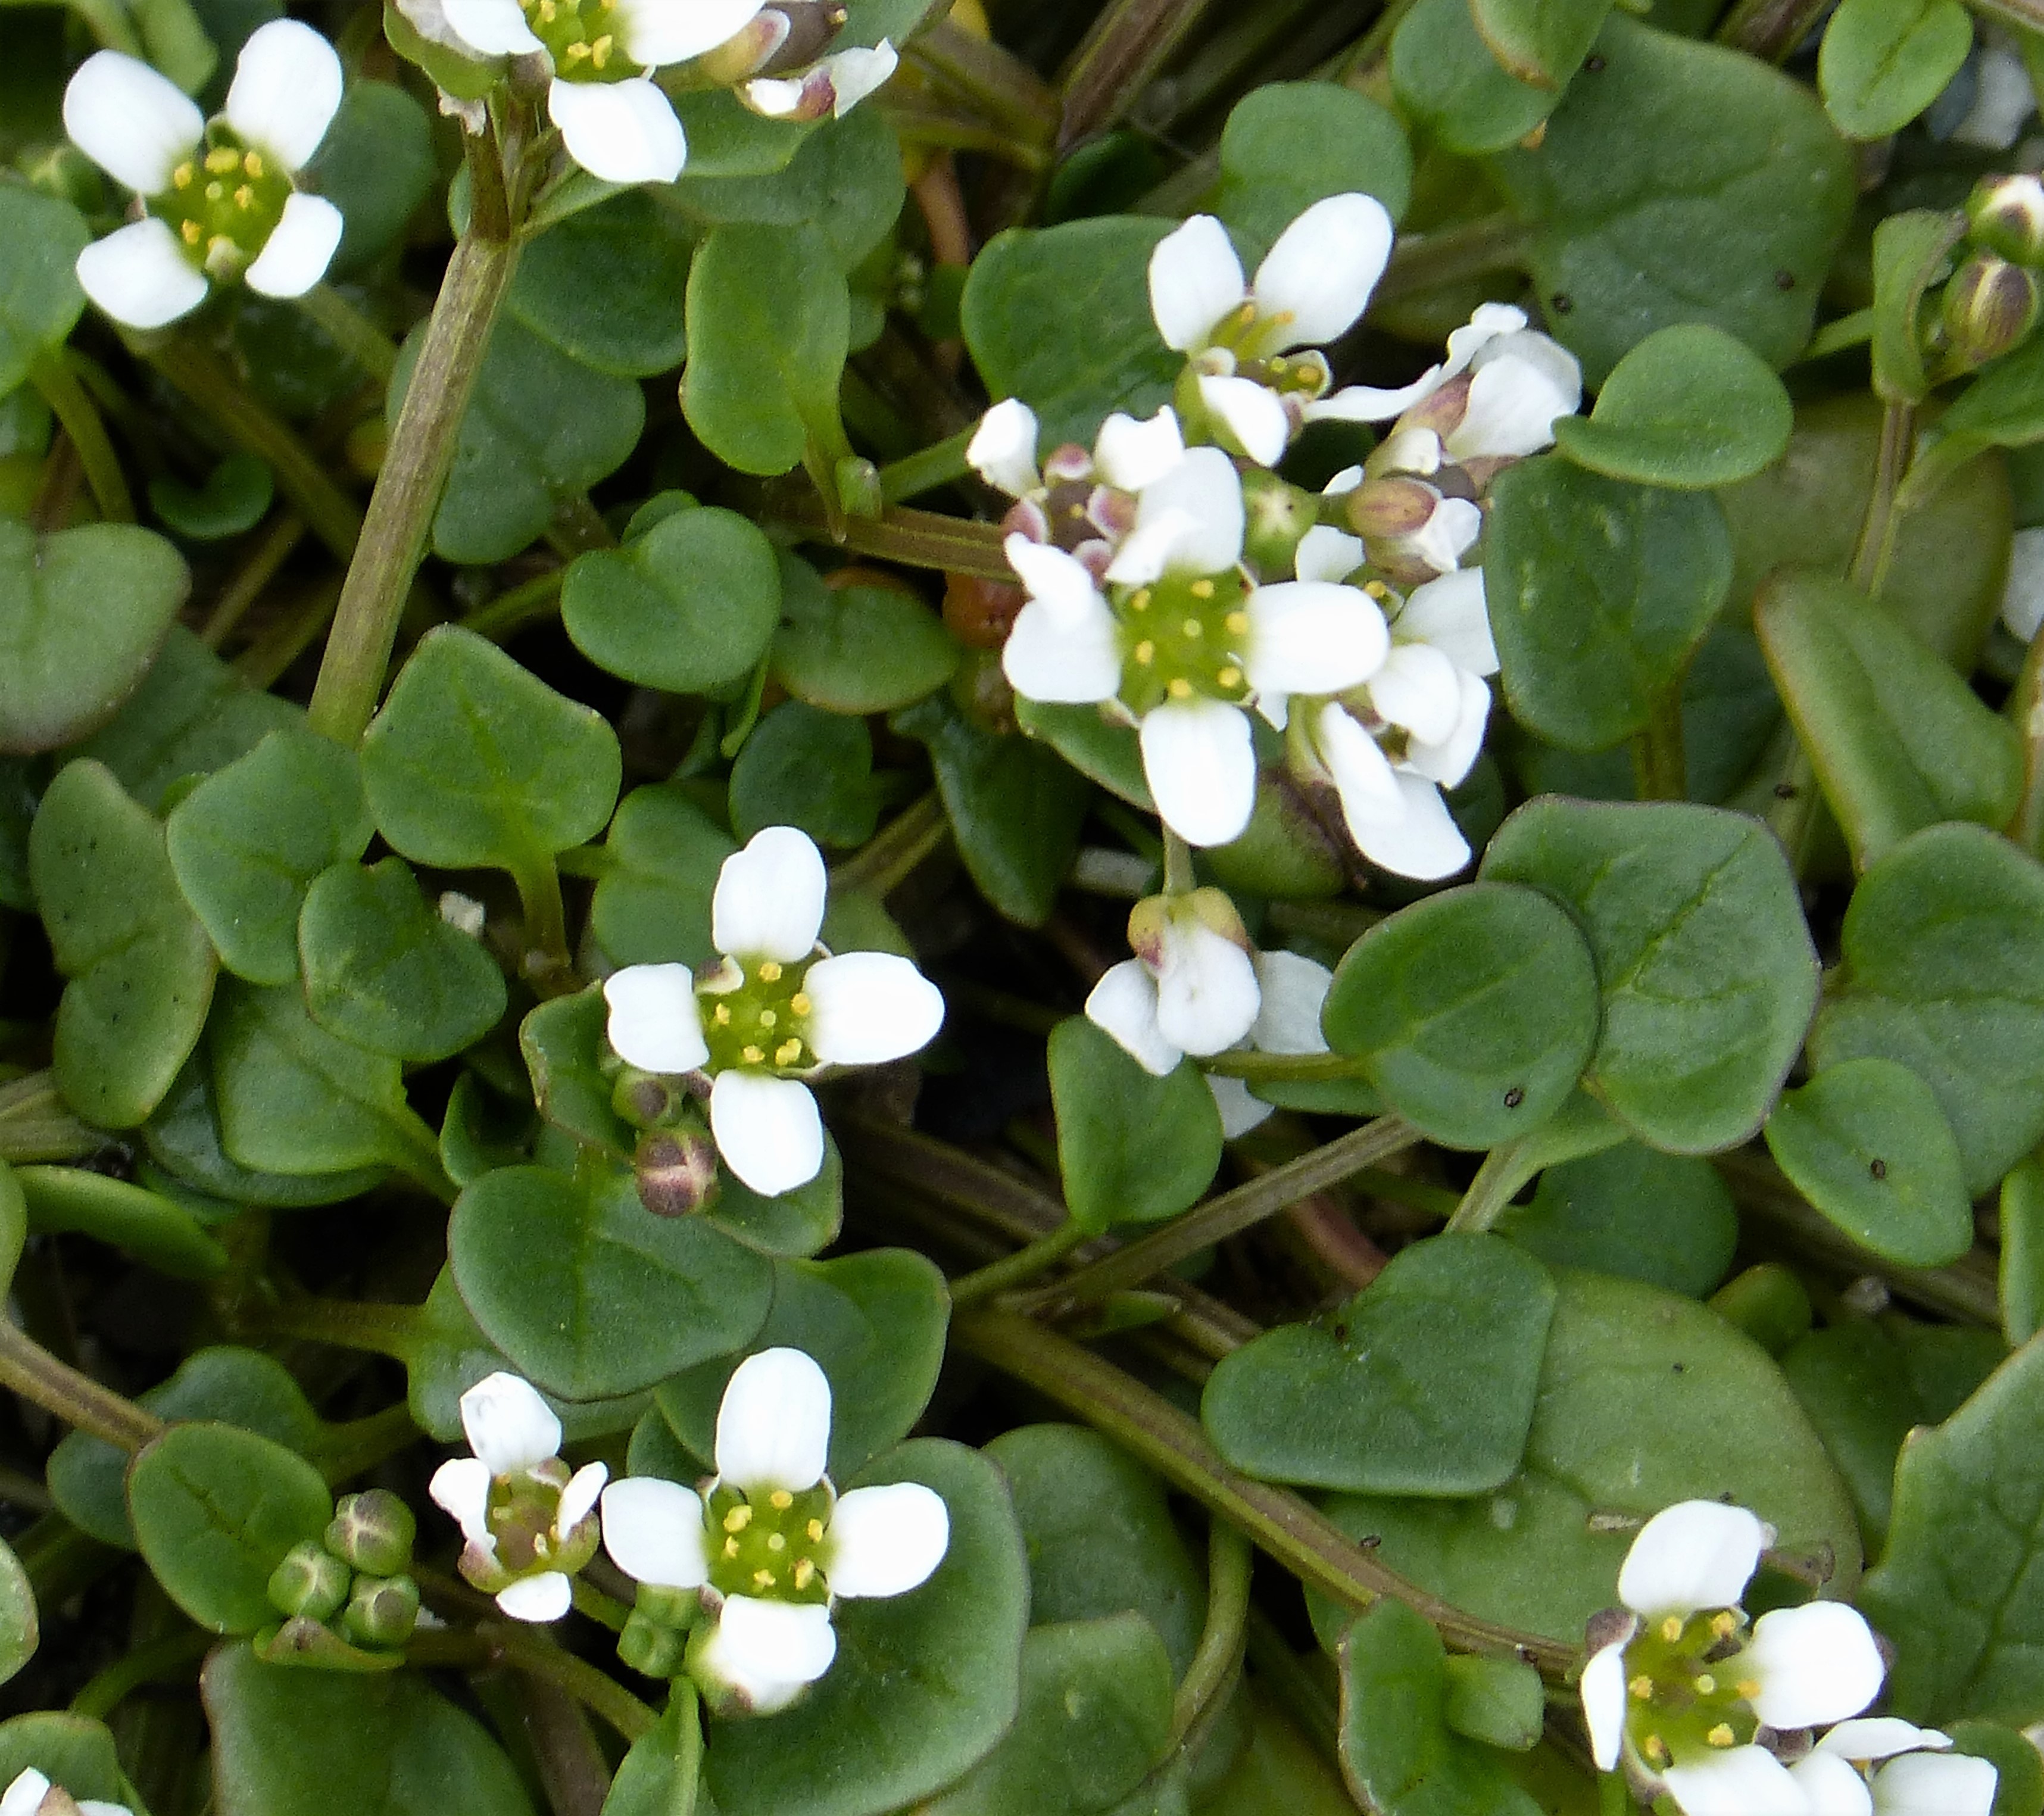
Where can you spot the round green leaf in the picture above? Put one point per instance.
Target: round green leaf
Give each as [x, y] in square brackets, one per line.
[845, 178]
[689, 606]
[1665, 1218]
[234, 497]
[19, 1629]
[604, 285]
[1451, 87]
[564, 1046]
[182, 1135]
[1133, 1148]
[1883, 62]
[1688, 407]
[1865, 1142]
[40, 298]
[857, 648]
[1477, 1010]
[1288, 144]
[652, 902]
[806, 768]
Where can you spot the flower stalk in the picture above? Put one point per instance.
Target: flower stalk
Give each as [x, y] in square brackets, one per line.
[28, 1369]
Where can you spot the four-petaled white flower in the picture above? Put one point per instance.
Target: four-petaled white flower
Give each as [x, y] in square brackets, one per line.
[26, 1797]
[770, 1545]
[833, 85]
[1083, 503]
[217, 199]
[528, 1523]
[775, 1009]
[614, 122]
[1240, 339]
[1183, 641]
[1914, 1772]
[1681, 1696]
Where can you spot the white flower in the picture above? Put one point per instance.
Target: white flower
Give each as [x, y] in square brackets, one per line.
[776, 1008]
[25, 1796]
[1408, 527]
[770, 1546]
[1094, 505]
[1681, 1697]
[526, 1519]
[217, 198]
[1183, 641]
[2023, 594]
[833, 85]
[1920, 1776]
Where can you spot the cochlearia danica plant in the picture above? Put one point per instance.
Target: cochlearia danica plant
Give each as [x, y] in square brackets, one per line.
[1022, 907]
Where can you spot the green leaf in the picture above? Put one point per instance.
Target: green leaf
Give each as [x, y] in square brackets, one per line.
[290, 1742]
[1706, 970]
[806, 768]
[214, 1509]
[1899, 741]
[68, 1750]
[21, 1630]
[1399, 1754]
[845, 179]
[769, 320]
[1943, 950]
[1682, 182]
[659, 1774]
[82, 613]
[726, 138]
[790, 1225]
[1689, 407]
[1883, 62]
[923, 1684]
[1423, 1386]
[2021, 1270]
[139, 966]
[1132, 1148]
[249, 840]
[564, 1046]
[40, 298]
[384, 970]
[604, 286]
[587, 1291]
[1599, 591]
[689, 606]
[1865, 1142]
[155, 1230]
[1451, 87]
[1059, 316]
[1290, 144]
[875, 1323]
[1499, 1701]
[1096, 1716]
[474, 760]
[1098, 748]
[1953, 1590]
[376, 165]
[182, 1135]
[234, 498]
[652, 903]
[1540, 41]
[1911, 251]
[1477, 1010]
[13, 1224]
[857, 647]
[1665, 1218]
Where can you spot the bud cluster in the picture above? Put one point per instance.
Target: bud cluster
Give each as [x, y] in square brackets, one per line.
[675, 1161]
[348, 1599]
[1992, 301]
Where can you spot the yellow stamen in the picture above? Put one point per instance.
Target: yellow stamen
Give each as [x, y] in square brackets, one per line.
[787, 1053]
[754, 1056]
[215, 190]
[1641, 1687]
[731, 1548]
[815, 1530]
[1180, 689]
[800, 1002]
[1671, 1629]
[190, 230]
[1230, 677]
[220, 160]
[1146, 652]
[1721, 1735]
[762, 1578]
[780, 1500]
[721, 1015]
[547, 10]
[244, 197]
[252, 162]
[184, 175]
[600, 51]
[1724, 1623]
[770, 972]
[1747, 1688]
[1202, 589]
[804, 1573]
[1191, 628]
[578, 53]
[1655, 1749]
[738, 1519]
[1237, 623]
[1377, 589]
[1141, 602]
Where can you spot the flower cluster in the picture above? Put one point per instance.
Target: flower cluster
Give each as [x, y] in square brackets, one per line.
[1694, 1703]
[217, 199]
[1178, 583]
[776, 1009]
[352, 1586]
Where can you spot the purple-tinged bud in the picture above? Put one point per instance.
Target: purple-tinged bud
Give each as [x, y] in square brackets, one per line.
[1989, 308]
[311, 1581]
[382, 1612]
[676, 1170]
[373, 1531]
[749, 51]
[2005, 215]
[1394, 507]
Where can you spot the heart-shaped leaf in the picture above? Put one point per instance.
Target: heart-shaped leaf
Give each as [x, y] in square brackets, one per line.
[652, 902]
[850, 646]
[234, 497]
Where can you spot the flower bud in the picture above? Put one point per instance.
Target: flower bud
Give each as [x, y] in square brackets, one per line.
[1278, 514]
[858, 487]
[1989, 308]
[646, 1099]
[651, 1647]
[676, 1170]
[1156, 920]
[1394, 507]
[373, 1531]
[381, 1611]
[2005, 215]
[748, 51]
[311, 1581]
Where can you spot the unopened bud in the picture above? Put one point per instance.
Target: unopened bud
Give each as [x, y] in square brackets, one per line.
[676, 1170]
[1278, 514]
[858, 487]
[2005, 215]
[1378, 509]
[381, 1611]
[647, 1100]
[651, 1647]
[1990, 307]
[801, 98]
[311, 1581]
[1155, 921]
[746, 51]
[373, 1531]
[811, 25]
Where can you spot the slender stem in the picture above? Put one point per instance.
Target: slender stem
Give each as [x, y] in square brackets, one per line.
[1660, 766]
[927, 469]
[546, 962]
[1229, 1556]
[886, 860]
[254, 574]
[517, 606]
[995, 82]
[1228, 1215]
[689, 1747]
[78, 1400]
[916, 539]
[397, 1331]
[1179, 879]
[35, 1125]
[1039, 1256]
[171, 1656]
[1876, 532]
[606, 1610]
[361, 1444]
[601, 1695]
[1127, 45]
[1290, 1067]
[1613, 1798]
[1497, 1181]
[1853, 330]
[1770, 28]
[1498, 242]
[2026, 14]
[350, 330]
[69, 402]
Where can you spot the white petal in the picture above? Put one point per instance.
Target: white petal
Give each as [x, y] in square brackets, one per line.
[1368, 403]
[1145, 551]
[1742, 1781]
[886, 1540]
[774, 97]
[1447, 535]
[768, 1650]
[1695, 1554]
[1062, 582]
[868, 1007]
[653, 1530]
[857, 73]
[1450, 614]
[623, 132]
[136, 125]
[286, 91]
[1342, 483]
[1323, 267]
[1240, 1110]
[1879, 1736]
[300, 247]
[654, 1023]
[1418, 688]
[1815, 1664]
[579, 1496]
[1207, 993]
[1063, 662]
[1833, 1787]
[1452, 758]
[1003, 449]
[1422, 841]
[2002, 100]
[656, 33]
[768, 899]
[1362, 773]
[773, 1428]
[1123, 1004]
[2022, 595]
[539, 1599]
[1253, 415]
[508, 1426]
[1521, 382]
[25, 1796]
[1417, 450]
[767, 1129]
[1294, 990]
[99, 1806]
[1201, 501]
[1326, 553]
[1201, 764]
[1311, 636]
[1195, 279]
[139, 275]
[495, 28]
[461, 1487]
[1933, 1784]
[1130, 455]
[1602, 1687]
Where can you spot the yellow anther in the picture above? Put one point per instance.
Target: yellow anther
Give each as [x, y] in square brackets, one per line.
[780, 1500]
[1246, 314]
[787, 1053]
[768, 1018]
[1180, 689]
[220, 160]
[1721, 1736]
[731, 1548]
[776, 1542]
[1237, 623]
[762, 1578]
[1076, 513]
[1146, 652]
[184, 175]
[1706, 1684]
[252, 162]
[1280, 367]
[1655, 1749]
[578, 53]
[1230, 677]
[1202, 589]
[770, 972]
[721, 1015]
[1671, 1629]
[804, 1573]
[800, 1002]
[1747, 1688]
[1377, 589]
[548, 11]
[738, 1519]
[1724, 1623]
[190, 230]
[244, 197]
[1192, 629]
[815, 1529]
[599, 52]
[1641, 1687]
[754, 1056]
[1141, 602]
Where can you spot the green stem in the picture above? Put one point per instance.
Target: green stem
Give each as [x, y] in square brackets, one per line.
[916, 539]
[886, 860]
[606, 1610]
[1613, 1798]
[1219, 1657]
[1291, 1067]
[58, 385]
[602, 1695]
[997, 84]
[1770, 28]
[1127, 44]
[1499, 242]
[1039, 1256]
[546, 963]
[688, 1751]
[171, 1656]
[936, 465]
[254, 574]
[350, 330]
[517, 606]
[1179, 878]
[397, 1331]
[1878, 528]
[1853, 330]
[32, 1371]
[35, 1125]
[360, 1444]
[1660, 767]
[1497, 1181]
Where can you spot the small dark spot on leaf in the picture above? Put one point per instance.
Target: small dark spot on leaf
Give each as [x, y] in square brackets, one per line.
[1681, 1367]
[1514, 1097]
[1370, 1541]
[1784, 280]
[1877, 1167]
[1784, 791]
[1593, 64]
[1561, 302]
[1341, 1333]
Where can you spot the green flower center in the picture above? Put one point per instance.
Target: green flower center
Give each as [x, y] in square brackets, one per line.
[1181, 639]
[768, 1548]
[580, 35]
[521, 1517]
[224, 204]
[1687, 1694]
[761, 1024]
